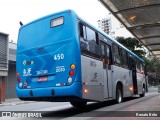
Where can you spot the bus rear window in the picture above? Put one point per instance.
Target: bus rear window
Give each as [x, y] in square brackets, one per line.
[57, 22]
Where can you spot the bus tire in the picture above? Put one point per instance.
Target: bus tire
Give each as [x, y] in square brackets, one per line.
[143, 92]
[78, 104]
[119, 94]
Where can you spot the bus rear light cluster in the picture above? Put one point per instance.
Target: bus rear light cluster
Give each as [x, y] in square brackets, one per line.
[72, 66]
[18, 78]
[71, 73]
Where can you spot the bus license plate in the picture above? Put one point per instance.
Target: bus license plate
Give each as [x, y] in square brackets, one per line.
[42, 79]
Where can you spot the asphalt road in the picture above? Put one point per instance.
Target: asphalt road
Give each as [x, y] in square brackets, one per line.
[103, 110]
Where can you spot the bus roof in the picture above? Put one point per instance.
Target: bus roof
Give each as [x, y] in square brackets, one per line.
[44, 17]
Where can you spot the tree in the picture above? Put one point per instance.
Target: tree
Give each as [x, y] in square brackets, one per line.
[153, 68]
[132, 44]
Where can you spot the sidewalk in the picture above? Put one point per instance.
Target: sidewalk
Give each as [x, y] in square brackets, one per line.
[14, 101]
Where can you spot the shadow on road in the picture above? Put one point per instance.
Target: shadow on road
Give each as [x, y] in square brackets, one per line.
[74, 111]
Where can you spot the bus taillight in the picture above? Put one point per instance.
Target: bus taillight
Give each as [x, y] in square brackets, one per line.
[71, 73]
[85, 91]
[131, 88]
[18, 79]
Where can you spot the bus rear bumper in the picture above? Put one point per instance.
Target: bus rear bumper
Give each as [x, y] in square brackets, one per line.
[50, 93]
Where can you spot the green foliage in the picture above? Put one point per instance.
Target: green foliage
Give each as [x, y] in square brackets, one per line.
[153, 68]
[132, 44]
[153, 65]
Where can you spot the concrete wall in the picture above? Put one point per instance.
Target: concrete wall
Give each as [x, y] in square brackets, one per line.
[11, 82]
[7, 67]
[11, 79]
[2, 88]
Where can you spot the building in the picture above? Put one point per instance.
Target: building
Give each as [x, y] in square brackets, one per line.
[7, 67]
[3, 64]
[113, 27]
[11, 79]
[105, 25]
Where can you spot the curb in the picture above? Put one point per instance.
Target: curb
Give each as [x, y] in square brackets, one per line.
[15, 103]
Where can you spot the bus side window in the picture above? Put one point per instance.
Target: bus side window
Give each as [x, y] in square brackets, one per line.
[97, 38]
[142, 68]
[103, 57]
[82, 31]
[129, 61]
[124, 59]
[138, 66]
[108, 56]
[116, 54]
[89, 41]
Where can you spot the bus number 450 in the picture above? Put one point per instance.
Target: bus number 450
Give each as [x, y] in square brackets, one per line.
[59, 57]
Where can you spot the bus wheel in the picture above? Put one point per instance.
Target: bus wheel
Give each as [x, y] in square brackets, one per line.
[119, 94]
[78, 104]
[143, 92]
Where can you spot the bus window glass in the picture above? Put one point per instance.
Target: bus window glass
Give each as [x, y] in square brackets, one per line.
[82, 31]
[130, 61]
[103, 56]
[89, 45]
[124, 59]
[116, 55]
[142, 67]
[138, 66]
[108, 53]
[103, 51]
[91, 35]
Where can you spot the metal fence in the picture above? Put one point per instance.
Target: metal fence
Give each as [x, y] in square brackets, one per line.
[3, 54]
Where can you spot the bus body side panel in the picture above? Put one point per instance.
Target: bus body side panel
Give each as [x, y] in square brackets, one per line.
[140, 81]
[125, 77]
[92, 79]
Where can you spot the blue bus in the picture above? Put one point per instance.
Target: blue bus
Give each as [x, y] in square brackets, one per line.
[61, 57]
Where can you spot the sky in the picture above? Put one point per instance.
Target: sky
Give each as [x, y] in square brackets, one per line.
[13, 11]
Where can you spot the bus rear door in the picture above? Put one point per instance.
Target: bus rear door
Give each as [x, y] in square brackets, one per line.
[134, 74]
[106, 59]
